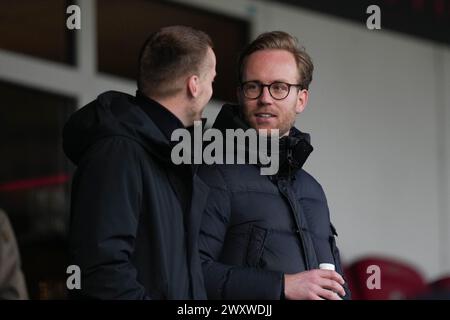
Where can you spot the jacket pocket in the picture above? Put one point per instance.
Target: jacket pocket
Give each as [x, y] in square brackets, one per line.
[334, 248]
[255, 248]
[337, 261]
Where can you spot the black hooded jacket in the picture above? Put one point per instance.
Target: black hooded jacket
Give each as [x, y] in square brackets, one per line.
[256, 228]
[132, 232]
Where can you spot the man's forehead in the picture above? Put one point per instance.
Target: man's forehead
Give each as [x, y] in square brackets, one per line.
[278, 65]
[272, 54]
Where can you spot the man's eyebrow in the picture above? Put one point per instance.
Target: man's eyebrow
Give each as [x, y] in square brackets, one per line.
[282, 80]
[276, 80]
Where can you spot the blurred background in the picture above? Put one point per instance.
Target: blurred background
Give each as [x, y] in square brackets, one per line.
[378, 115]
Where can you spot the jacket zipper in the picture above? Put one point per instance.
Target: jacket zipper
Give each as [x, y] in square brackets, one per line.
[284, 192]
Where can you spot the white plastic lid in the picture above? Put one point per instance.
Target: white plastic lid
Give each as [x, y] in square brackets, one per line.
[327, 266]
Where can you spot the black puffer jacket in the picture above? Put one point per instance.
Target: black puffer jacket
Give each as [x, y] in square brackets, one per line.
[129, 233]
[256, 228]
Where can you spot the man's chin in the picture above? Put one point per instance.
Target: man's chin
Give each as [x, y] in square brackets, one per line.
[268, 131]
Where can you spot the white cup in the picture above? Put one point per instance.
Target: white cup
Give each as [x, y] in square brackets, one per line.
[327, 266]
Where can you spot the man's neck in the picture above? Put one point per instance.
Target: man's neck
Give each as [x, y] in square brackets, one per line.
[163, 118]
[178, 107]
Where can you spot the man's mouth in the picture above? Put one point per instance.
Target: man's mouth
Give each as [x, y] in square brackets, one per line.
[264, 115]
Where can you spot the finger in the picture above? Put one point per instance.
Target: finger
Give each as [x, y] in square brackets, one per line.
[333, 275]
[328, 294]
[314, 293]
[333, 286]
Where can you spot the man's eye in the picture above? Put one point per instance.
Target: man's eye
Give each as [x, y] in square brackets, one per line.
[279, 87]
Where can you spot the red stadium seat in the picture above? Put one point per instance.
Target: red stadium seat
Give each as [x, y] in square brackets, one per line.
[439, 289]
[398, 280]
[442, 283]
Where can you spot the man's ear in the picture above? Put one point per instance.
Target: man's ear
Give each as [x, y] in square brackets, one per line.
[193, 86]
[302, 100]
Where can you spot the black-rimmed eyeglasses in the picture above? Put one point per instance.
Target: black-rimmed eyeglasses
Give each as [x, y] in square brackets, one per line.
[278, 90]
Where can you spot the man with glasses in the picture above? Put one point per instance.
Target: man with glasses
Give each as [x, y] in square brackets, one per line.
[264, 237]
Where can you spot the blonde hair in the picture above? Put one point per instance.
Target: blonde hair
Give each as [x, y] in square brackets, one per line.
[283, 41]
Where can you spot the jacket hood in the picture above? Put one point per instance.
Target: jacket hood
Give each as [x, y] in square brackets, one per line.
[112, 114]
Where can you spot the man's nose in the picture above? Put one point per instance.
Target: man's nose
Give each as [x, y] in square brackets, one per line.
[265, 96]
